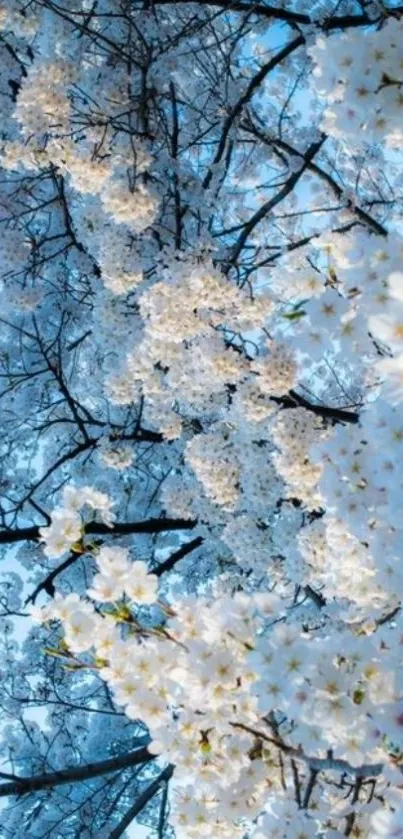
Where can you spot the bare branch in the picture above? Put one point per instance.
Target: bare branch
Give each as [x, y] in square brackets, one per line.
[23, 786]
[141, 802]
[161, 525]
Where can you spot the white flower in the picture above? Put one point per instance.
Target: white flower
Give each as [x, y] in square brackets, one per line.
[106, 641]
[392, 370]
[388, 823]
[62, 607]
[326, 311]
[74, 498]
[148, 706]
[99, 501]
[80, 630]
[388, 325]
[137, 208]
[105, 589]
[113, 562]
[119, 281]
[65, 529]
[395, 282]
[118, 458]
[139, 585]
[126, 689]
[389, 719]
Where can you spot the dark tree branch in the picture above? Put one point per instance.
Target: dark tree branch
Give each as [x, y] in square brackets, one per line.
[141, 435]
[293, 18]
[161, 525]
[23, 786]
[174, 152]
[261, 9]
[253, 85]
[47, 584]
[294, 399]
[361, 214]
[179, 554]
[141, 802]
[276, 199]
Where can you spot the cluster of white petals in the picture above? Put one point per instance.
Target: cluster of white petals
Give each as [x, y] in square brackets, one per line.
[136, 208]
[67, 524]
[229, 689]
[21, 22]
[294, 431]
[87, 174]
[277, 372]
[42, 103]
[215, 464]
[360, 75]
[262, 699]
[117, 457]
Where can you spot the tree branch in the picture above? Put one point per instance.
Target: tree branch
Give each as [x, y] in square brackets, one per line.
[161, 525]
[141, 802]
[23, 786]
[320, 764]
[47, 583]
[294, 399]
[246, 97]
[179, 554]
[276, 199]
[293, 18]
[361, 214]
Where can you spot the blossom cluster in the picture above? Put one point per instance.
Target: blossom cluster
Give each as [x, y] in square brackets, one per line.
[67, 525]
[185, 357]
[22, 23]
[136, 208]
[43, 104]
[229, 690]
[294, 431]
[116, 456]
[361, 78]
[276, 372]
[216, 466]
[261, 713]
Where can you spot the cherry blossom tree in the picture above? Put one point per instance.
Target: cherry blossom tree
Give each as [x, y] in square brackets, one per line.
[201, 380]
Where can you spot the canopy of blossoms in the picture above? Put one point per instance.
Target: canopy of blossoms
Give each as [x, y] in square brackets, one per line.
[274, 689]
